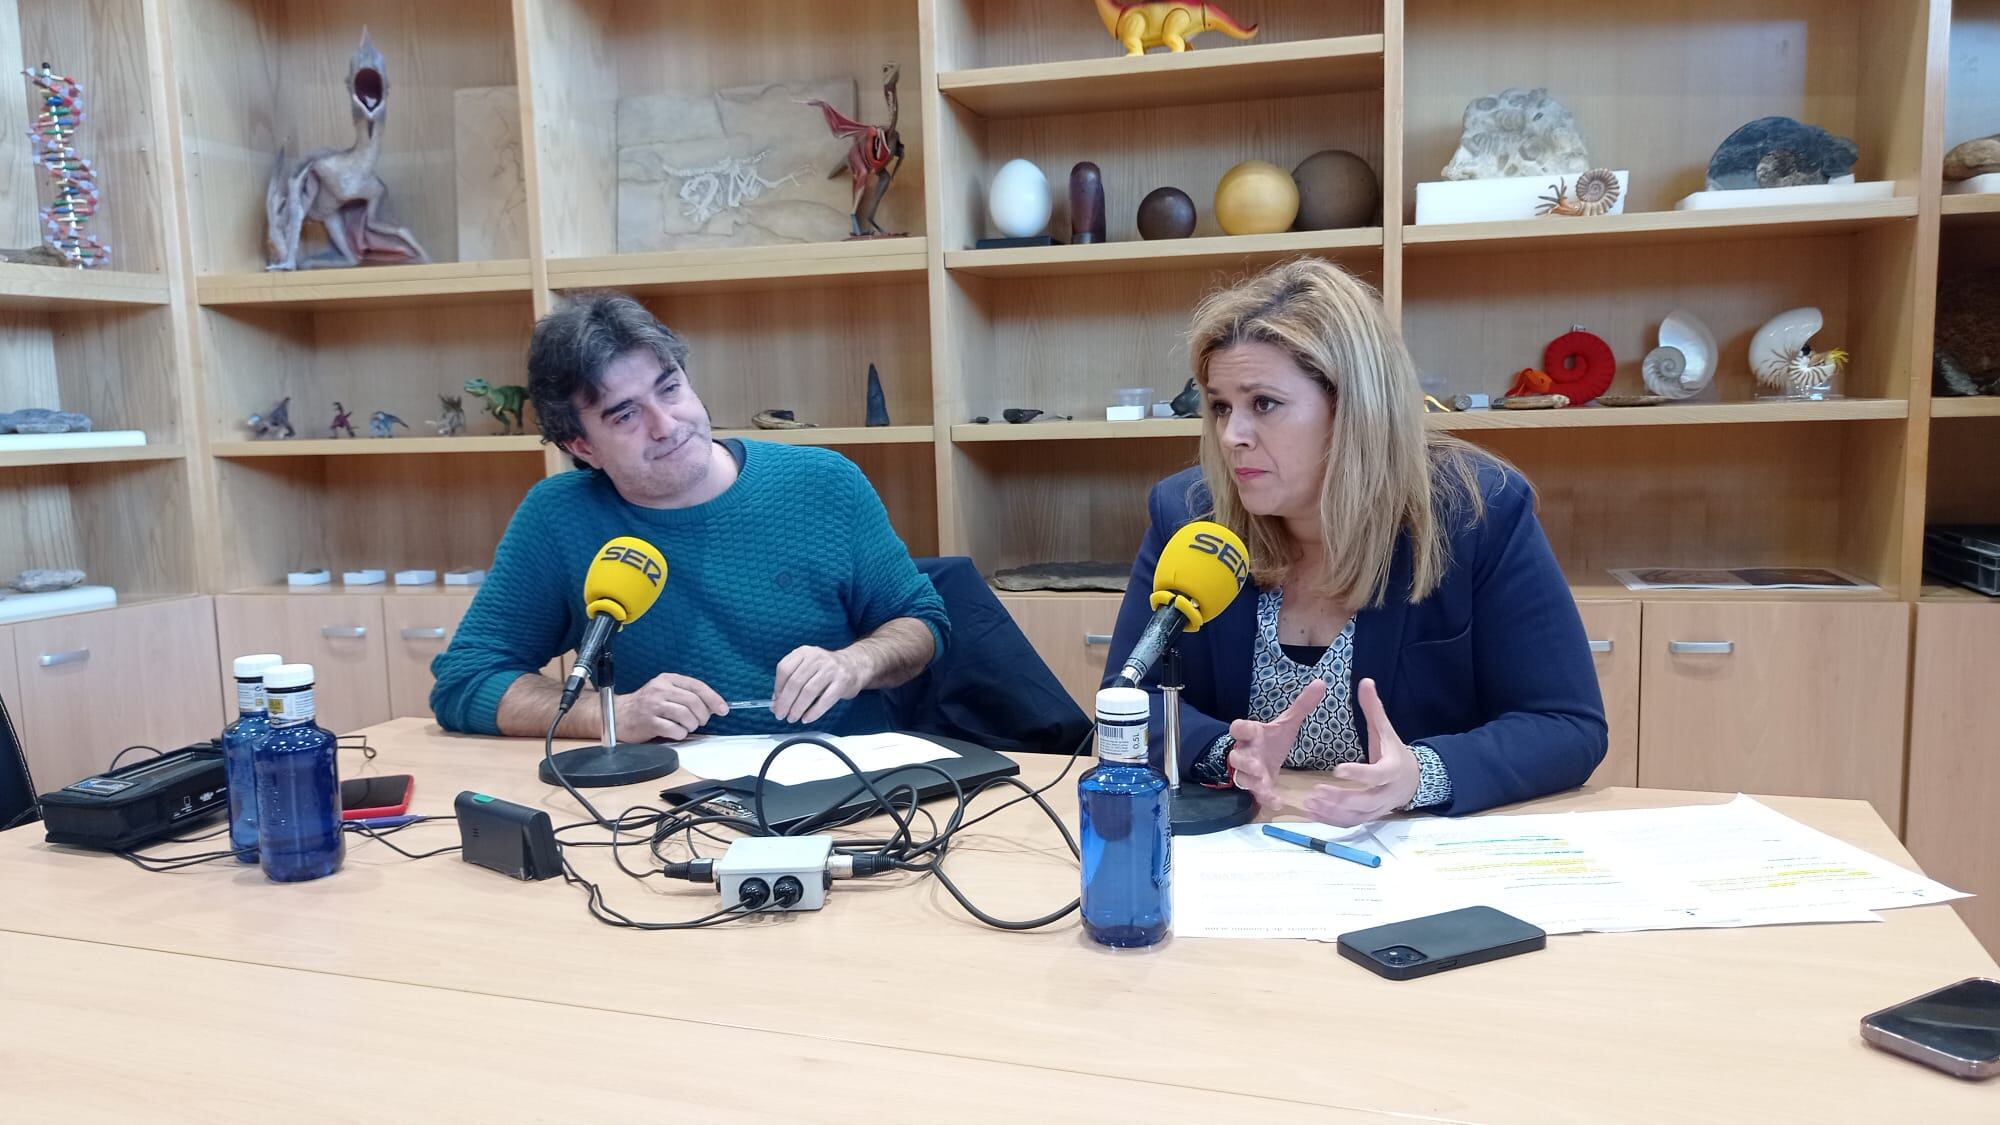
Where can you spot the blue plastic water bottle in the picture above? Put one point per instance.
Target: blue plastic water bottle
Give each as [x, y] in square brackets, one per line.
[298, 784]
[1127, 830]
[239, 741]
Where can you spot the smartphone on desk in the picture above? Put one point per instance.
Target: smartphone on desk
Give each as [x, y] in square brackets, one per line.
[376, 796]
[1955, 1029]
[1436, 942]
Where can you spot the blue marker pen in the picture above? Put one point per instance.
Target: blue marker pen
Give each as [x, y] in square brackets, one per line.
[375, 822]
[1326, 847]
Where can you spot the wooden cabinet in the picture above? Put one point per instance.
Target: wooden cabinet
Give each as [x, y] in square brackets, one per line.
[340, 635]
[1072, 634]
[416, 627]
[94, 683]
[10, 677]
[1776, 697]
[1954, 830]
[1613, 629]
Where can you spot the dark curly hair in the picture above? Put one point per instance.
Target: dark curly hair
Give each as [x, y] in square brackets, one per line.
[572, 347]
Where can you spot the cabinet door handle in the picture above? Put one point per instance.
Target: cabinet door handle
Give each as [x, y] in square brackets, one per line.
[1600, 646]
[1097, 638]
[1696, 648]
[344, 631]
[434, 633]
[58, 659]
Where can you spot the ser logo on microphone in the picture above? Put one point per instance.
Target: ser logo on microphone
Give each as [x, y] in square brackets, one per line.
[1225, 552]
[634, 558]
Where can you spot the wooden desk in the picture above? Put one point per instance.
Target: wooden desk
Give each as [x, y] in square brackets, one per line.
[1753, 1024]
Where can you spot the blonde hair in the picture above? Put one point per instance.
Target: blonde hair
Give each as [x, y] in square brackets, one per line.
[1386, 472]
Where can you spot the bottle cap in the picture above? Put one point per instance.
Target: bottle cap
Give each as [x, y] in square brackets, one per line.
[289, 676]
[1123, 703]
[254, 666]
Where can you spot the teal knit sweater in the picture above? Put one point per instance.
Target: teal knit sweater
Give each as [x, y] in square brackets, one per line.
[798, 551]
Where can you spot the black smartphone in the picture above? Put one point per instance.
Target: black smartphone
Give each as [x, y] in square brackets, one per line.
[1955, 1029]
[376, 796]
[1436, 942]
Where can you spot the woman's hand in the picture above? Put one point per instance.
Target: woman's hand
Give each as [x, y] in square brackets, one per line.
[1261, 748]
[1383, 784]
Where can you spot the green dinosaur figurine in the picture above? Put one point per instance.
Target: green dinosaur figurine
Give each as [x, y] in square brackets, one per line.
[500, 401]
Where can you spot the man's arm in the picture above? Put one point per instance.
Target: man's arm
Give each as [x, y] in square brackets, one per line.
[811, 679]
[669, 706]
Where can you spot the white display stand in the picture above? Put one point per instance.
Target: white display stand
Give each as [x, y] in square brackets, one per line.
[1848, 192]
[1977, 185]
[1487, 201]
[91, 439]
[55, 603]
[363, 577]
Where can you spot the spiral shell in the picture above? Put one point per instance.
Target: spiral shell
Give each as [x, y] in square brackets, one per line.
[1665, 368]
[1596, 191]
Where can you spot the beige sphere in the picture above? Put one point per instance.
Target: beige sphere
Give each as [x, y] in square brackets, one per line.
[1256, 197]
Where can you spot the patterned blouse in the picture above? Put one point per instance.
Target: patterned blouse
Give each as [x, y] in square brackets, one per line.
[1279, 672]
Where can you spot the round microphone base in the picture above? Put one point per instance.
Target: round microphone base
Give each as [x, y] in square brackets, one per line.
[1199, 810]
[628, 763]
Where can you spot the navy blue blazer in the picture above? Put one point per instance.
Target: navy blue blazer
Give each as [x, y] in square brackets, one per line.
[1492, 670]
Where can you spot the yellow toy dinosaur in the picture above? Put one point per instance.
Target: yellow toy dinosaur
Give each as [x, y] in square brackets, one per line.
[1166, 23]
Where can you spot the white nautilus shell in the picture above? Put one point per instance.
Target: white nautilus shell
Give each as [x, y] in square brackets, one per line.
[1781, 339]
[1684, 363]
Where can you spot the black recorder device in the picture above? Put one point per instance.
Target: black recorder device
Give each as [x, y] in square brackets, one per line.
[133, 804]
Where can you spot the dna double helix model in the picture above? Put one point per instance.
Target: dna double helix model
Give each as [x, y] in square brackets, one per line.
[75, 181]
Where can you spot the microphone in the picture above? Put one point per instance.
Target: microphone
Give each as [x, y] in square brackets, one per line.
[622, 584]
[1201, 570]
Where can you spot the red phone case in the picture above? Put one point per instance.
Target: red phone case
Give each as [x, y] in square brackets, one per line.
[401, 806]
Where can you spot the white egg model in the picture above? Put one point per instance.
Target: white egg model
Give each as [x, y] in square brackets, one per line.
[1018, 201]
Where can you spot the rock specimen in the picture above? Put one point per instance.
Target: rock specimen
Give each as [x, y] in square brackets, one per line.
[1779, 152]
[36, 420]
[1975, 157]
[1517, 133]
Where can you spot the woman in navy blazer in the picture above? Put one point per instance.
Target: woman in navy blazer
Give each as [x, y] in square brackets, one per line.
[1407, 629]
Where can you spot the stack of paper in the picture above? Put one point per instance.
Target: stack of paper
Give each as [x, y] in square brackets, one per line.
[732, 756]
[1734, 864]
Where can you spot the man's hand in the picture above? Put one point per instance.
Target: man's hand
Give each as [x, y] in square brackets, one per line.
[669, 706]
[811, 680]
[1385, 783]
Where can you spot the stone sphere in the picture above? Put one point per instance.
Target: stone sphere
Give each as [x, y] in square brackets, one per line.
[1337, 189]
[1256, 197]
[1018, 201]
[1166, 213]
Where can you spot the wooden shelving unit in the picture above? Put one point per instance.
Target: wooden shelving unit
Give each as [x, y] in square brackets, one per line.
[1266, 70]
[200, 335]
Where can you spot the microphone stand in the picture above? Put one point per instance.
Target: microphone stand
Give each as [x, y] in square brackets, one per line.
[611, 762]
[1196, 810]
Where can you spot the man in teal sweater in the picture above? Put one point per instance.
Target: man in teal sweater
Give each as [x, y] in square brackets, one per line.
[784, 578]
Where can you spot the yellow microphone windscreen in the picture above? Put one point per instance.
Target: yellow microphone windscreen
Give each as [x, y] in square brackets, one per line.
[624, 580]
[1201, 570]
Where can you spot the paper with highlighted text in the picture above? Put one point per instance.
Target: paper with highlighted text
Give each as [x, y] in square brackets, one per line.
[1739, 863]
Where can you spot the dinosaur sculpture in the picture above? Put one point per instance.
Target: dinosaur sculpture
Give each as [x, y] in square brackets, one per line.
[874, 152]
[383, 424]
[1166, 23]
[342, 420]
[338, 188]
[270, 423]
[452, 423]
[500, 401]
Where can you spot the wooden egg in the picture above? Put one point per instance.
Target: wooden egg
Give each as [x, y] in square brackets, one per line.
[1256, 197]
[1337, 189]
[1166, 213]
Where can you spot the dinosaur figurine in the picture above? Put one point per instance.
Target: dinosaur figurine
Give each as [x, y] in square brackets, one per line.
[452, 423]
[338, 188]
[874, 152]
[1166, 23]
[500, 401]
[383, 424]
[269, 423]
[342, 420]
